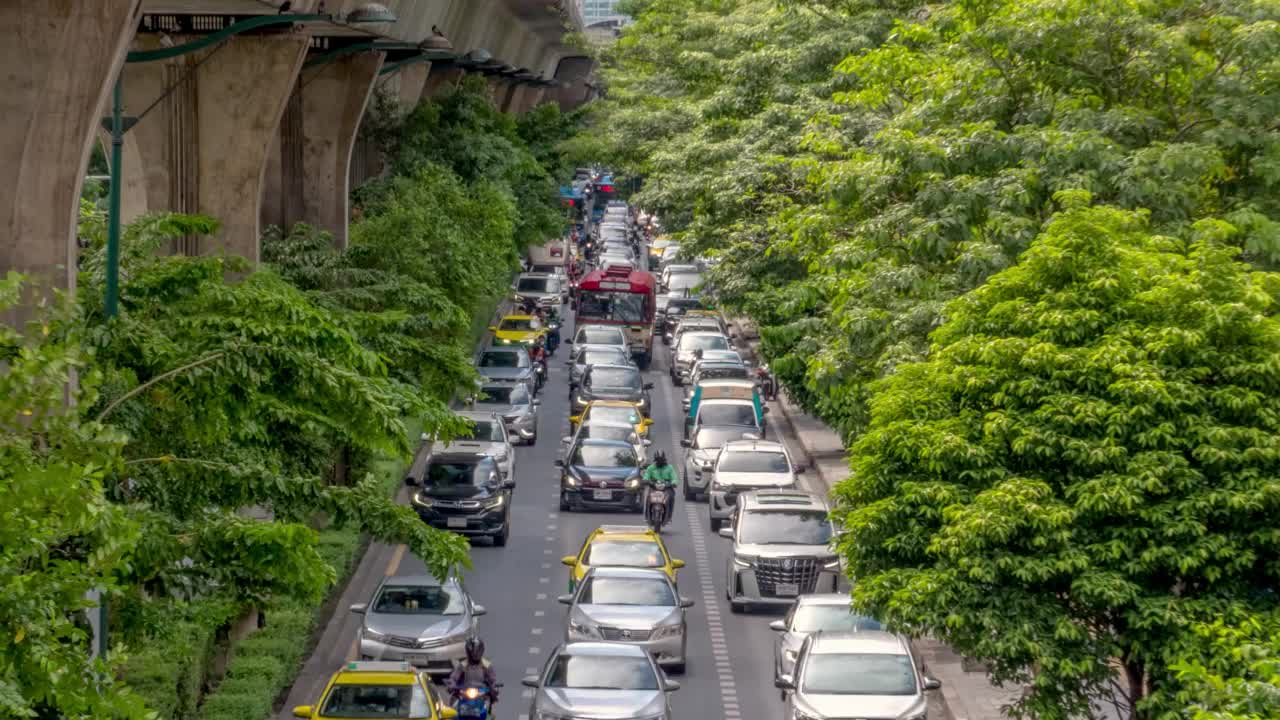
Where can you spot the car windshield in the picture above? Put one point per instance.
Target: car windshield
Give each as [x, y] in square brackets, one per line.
[548, 269]
[684, 281]
[703, 342]
[485, 431]
[726, 371]
[419, 600]
[600, 336]
[596, 672]
[830, 618]
[602, 356]
[727, 414]
[611, 377]
[619, 306]
[624, 553]
[859, 674]
[753, 462]
[519, 324]
[622, 433]
[376, 701]
[627, 591]
[534, 285]
[785, 527]
[614, 413]
[605, 456]
[681, 305]
[663, 301]
[715, 437]
[505, 394]
[498, 359]
[444, 474]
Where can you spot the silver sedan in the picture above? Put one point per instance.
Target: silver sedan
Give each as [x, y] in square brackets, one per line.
[600, 680]
[630, 605]
[820, 612]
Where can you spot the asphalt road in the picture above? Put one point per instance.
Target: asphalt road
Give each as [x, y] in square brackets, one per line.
[730, 671]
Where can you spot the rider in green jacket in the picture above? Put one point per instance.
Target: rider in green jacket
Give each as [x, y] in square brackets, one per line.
[660, 473]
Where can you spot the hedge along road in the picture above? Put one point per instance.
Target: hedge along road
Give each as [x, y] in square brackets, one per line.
[730, 666]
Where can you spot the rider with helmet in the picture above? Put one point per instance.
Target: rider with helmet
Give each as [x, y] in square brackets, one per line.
[661, 473]
[475, 670]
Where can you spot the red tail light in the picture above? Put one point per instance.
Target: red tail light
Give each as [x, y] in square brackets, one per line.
[606, 188]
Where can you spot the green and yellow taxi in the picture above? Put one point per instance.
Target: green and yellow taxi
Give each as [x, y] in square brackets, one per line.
[614, 411]
[362, 690]
[517, 330]
[621, 546]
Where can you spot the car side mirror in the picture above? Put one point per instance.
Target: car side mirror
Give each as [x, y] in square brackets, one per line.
[677, 564]
[686, 602]
[493, 328]
[569, 560]
[529, 681]
[424, 437]
[565, 599]
[537, 402]
[798, 469]
[648, 386]
[686, 443]
[567, 342]
[560, 463]
[303, 711]
[360, 608]
[507, 485]
[726, 532]
[932, 683]
[784, 682]
[410, 480]
[669, 685]
[566, 439]
[647, 443]
[778, 626]
[478, 610]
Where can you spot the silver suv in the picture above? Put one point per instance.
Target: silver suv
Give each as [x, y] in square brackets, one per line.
[781, 549]
[856, 675]
[745, 465]
[630, 605]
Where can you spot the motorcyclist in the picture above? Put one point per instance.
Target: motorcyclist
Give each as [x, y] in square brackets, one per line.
[660, 473]
[475, 670]
[552, 318]
[538, 354]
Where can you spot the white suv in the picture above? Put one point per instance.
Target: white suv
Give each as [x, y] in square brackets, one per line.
[747, 465]
[782, 548]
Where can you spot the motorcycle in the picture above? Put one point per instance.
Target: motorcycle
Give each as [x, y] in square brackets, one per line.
[474, 702]
[768, 384]
[656, 506]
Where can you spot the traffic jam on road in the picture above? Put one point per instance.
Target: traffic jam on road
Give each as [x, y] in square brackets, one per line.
[635, 542]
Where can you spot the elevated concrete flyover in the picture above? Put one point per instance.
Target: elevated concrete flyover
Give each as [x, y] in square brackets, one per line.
[231, 101]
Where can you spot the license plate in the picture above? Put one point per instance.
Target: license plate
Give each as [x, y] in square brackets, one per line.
[470, 710]
[603, 495]
[788, 589]
[417, 659]
[456, 522]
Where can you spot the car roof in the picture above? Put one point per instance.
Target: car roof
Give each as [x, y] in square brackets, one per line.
[614, 403]
[606, 443]
[613, 529]
[420, 581]
[477, 415]
[604, 649]
[824, 599]
[517, 317]
[459, 456]
[611, 366]
[376, 672]
[607, 423]
[726, 382]
[704, 333]
[877, 642]
[597, 326]
[754, 446]
[600, 347]
[629, 572]
[781, 499]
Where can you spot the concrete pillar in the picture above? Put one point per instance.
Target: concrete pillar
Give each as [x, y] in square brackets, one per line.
[204, 147]
[442, 79]
[534, 96]
[510, 94]
[334, 97]
[498, 87]
[413, 80]
[60, 60]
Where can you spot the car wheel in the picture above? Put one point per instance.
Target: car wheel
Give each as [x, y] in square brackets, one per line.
[677, 669]
[689, 494]
[500, 540]
[564, 503]
[715, 525]
[534, 440]
[737, 608]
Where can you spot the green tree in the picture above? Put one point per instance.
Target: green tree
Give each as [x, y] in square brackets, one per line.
[1232, 671]
[59, 535]
[1087, 465]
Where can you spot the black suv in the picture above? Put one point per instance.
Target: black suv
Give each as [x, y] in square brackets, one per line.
[465, 493]
[612, 382]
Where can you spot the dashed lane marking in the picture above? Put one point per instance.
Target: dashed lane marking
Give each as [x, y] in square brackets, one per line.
[719, 649]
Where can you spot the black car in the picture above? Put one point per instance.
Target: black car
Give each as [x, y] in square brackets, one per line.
[677, 306]
[612, 382]
[600, 473]
[465, 493]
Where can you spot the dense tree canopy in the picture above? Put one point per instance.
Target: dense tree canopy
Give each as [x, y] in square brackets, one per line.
[1017, 250]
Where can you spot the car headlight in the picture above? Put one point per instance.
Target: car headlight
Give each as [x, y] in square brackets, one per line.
[501, 457]
[570, 480]
[633, 483]
[642, 401]
[745, 561]
[368, 634]
[581, 400]
[420, 498]
[832, 565]
[495, 503]
[584, 629]
[790, 655]
[666, 631]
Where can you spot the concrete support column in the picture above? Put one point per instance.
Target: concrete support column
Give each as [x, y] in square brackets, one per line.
[334, 97]
[498, 87]
[534, 96]
[413, 80]
[442, 79]
[509, 101]
[60, 60]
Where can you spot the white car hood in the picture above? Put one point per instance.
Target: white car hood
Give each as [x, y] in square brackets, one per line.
[756, 479]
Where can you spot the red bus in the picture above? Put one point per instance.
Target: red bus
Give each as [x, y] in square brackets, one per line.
[620, 295]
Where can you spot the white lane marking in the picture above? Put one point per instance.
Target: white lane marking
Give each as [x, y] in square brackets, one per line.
[551, 538]
[526, 693]
[534, 651]
[535, 631]
[719, 648]
[530, 670]
[539, 613]
[546, 566]
[540, 596]
[547, 551]
[544, 581]
[552, 526]
[523, 717]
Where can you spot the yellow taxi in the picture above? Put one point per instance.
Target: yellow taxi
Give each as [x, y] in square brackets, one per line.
[621, 546]
[614, 411]
[377, 690]
[517, 330]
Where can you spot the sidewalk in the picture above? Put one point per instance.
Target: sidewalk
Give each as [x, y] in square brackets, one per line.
[966, 695]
